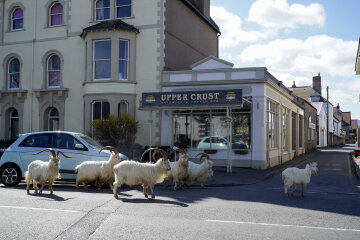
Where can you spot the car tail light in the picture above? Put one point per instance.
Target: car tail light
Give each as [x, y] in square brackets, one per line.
[357, 153]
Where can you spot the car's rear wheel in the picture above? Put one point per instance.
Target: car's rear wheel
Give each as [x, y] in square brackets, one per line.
[10, 175]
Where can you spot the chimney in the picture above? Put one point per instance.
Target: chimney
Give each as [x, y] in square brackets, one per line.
[317, 83]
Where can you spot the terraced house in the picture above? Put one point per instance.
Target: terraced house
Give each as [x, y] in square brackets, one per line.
[66, 63]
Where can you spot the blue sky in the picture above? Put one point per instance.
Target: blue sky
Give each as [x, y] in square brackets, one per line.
[295, 39]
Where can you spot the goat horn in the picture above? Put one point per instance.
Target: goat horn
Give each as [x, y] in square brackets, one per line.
[47, 149]
[203, 155]
[153, 155]
[162, 152]
[62, 154]
[111, 149]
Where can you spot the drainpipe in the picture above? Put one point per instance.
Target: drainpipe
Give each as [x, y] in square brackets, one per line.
[150, 121]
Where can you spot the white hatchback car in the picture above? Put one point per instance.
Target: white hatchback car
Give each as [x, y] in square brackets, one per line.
[16, 158]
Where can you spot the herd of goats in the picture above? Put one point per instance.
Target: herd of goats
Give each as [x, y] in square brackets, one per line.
[117, 172]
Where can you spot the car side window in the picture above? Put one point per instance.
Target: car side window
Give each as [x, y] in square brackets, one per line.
[207, 140]
[65, 141]
[37, 140]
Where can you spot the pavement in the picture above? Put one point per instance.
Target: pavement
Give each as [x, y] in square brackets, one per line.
[246, 176]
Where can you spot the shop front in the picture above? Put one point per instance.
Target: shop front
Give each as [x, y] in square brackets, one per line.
[234, 115]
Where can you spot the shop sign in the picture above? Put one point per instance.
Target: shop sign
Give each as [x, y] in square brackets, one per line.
[192, 98]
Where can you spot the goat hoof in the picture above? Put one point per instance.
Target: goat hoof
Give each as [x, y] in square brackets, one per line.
[116, 196]
[146, 196]
[152, 196]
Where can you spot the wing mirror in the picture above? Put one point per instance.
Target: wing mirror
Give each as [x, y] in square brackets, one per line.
[80, 147]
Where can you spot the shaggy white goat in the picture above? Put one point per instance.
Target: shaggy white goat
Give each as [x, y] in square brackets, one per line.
[148, 174]
[179, 169]
[199, 172]
[295, 176]
[98, 171]
[41, 172]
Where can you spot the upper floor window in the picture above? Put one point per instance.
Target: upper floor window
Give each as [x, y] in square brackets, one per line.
[100, 110]
[102, 60]
[123, 59]
[14, 74]
[102, 10]
[123, 8]
[17, 19]
[53, 72]
[56, 14]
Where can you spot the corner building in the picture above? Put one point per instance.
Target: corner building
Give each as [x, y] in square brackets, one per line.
[66, 63]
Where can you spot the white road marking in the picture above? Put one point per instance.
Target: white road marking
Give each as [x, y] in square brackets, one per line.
[40, 209]
[281, 225]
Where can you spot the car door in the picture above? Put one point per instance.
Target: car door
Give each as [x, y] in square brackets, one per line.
[32, 144]
[67, 143]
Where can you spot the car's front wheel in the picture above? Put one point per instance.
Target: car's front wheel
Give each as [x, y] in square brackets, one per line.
[10, 175]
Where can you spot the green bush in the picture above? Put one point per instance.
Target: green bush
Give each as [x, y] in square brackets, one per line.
[116, 131]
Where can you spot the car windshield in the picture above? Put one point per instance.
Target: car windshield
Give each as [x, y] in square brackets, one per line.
[90, 141]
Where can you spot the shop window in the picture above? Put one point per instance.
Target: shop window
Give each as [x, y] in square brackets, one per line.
[102, 60]
[273, 123]
[100, 110]
[14, 124]
[53, 120]
[123, 59]
[300, 131]
[182, 129]
[102, 10]
[208, 129]
[17, 19]
[14, 74]
[56, 15]
[123, 8]
[123, 107]
[293, 131]
[285, 117]
[53, 71]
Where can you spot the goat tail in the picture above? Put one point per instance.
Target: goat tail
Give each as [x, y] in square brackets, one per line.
[27, 175]
[77, 168]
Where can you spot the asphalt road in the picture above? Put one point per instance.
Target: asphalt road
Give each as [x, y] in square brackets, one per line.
[329, 210]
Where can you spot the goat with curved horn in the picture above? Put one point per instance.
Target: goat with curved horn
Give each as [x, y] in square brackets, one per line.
[41, 172]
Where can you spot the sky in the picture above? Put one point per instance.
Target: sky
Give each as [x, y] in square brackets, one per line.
[295, 40]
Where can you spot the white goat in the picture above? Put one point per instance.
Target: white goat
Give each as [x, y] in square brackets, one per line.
[98, 171]
[148, 174]
[179, 169]
[295, 176]
[199, 172]
[40, 172]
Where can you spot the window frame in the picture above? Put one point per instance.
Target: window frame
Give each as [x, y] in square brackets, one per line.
[94, 60]
[127, 107]
[12, 29]
[127, 60]
[8, 73]
[50, 14]
[272, 124]
[95, 8]
[49, 117]
[48, 71]
[120, 6]
[101, 109]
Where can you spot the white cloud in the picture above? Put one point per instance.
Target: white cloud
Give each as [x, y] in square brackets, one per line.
[313, 55]
[279, 14]
[342, 97]
[232, 32]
